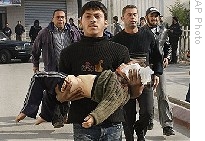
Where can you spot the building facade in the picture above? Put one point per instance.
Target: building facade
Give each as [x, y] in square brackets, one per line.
[30, 10]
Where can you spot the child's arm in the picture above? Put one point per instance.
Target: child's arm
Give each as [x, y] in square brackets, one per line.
[110, 95]
[89, 121]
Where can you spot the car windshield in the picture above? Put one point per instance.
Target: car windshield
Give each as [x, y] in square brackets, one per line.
[3, 37]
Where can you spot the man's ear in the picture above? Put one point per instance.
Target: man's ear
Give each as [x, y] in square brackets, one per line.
[146, 18]
[80, 24]
[122, 18]
[106, 23]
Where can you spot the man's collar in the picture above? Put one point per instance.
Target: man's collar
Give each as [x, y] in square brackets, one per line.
[60, 30]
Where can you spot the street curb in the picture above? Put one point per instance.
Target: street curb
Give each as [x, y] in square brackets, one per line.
[181, 115]
[180, 110]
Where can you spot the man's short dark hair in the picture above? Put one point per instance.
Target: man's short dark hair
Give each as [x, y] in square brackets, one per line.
[126, 7]
[115, 18]
[36, 21]
[57, 11]
[176, 19]
[142, 18]
[71, 19]
[94, 5]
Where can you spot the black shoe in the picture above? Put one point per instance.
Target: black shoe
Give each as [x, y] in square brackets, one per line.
[168, 131]
[58, 124]
[140, 133]
[150, 126]
[140, 138]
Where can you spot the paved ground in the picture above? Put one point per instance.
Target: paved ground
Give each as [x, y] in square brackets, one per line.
[26, 131]
[14, 83]
[178, 79]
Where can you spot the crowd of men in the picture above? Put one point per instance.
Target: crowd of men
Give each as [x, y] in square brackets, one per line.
[71, 51]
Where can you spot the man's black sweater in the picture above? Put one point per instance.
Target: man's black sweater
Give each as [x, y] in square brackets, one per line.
[92, 56]
[142, 42]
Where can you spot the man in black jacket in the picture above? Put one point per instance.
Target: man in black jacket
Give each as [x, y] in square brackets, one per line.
[34, 30]
[161, 36]
[92, 55]
[140, 43]
[19, 30]
[7, 30]
[174, 34]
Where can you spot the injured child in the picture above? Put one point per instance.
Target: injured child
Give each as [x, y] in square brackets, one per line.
[110, 90]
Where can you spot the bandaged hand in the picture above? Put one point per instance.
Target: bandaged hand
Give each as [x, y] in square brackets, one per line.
[134, 83]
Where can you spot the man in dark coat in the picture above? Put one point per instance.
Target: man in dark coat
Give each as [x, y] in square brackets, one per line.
[19, 30]
[174, 34]
[7, 31]
[34, 30]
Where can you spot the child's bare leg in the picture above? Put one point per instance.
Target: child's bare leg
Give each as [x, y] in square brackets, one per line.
[82, 82]
[21, 116]
[39, 121]
[86, 82]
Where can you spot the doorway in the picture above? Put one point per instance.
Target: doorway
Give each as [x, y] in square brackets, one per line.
[2, 20]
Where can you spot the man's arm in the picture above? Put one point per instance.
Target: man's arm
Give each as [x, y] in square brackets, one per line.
[155, 60]
[167, 50]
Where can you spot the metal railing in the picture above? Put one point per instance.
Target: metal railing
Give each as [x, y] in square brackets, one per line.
[184, 44]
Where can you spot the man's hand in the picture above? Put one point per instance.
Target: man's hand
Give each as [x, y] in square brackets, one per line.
[35, 69]
[165, 62]
[155, 82]
[89, 121]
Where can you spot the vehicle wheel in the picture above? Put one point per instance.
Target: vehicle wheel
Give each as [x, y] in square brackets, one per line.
[25, 60]
[5, 56]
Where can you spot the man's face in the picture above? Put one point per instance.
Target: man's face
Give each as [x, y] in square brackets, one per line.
[59, 19]
[152, 19]
[142, 22]
[130, 18]
[161, 19]
[93, 23]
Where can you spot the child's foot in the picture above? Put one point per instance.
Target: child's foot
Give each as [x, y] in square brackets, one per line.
[21, 116]
[39, 121]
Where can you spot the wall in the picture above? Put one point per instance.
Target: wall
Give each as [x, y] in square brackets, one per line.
[115, 7]
[72, 10]
[14, 14]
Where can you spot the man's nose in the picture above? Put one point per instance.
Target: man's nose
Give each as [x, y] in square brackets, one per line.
[93, 19]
